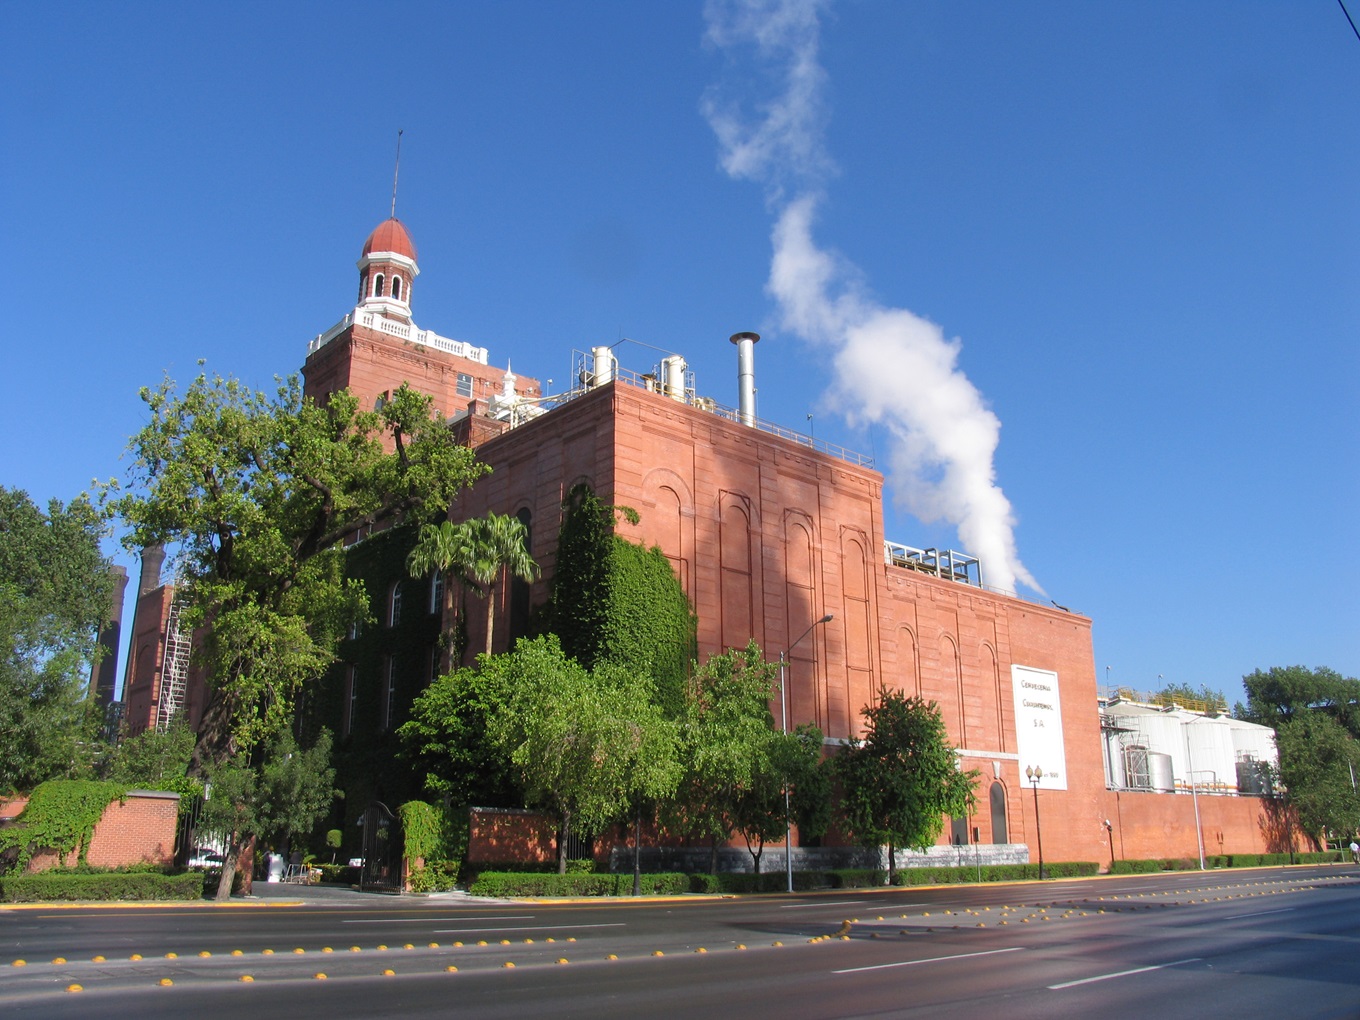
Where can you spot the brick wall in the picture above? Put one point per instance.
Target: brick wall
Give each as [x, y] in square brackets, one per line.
[139, 830]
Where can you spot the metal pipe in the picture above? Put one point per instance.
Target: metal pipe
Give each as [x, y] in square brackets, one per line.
[746, 375]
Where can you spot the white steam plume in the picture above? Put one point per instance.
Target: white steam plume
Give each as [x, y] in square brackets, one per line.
[893, 368]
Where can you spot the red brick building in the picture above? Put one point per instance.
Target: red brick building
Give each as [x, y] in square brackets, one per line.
[770, 532]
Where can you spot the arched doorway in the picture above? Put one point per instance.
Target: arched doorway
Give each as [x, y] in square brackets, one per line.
[998, 802]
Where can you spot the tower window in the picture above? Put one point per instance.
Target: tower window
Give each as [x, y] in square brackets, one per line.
[396, 288]
[378, 285]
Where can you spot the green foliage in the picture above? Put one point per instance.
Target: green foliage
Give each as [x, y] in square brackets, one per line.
[258, 491]
[586, 744]
[1316, 716]
[1200, 699]
[60, 815]
[614, 601]
[903, 777]
[279, 799]
[156, 760]
[60, 885]
[447, 739]
[474, 553]
[334, 837]
[649, 624]
[501, 884]
[728, 747]
[55, 590]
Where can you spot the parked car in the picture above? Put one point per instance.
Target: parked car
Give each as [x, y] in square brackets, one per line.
[206, 857]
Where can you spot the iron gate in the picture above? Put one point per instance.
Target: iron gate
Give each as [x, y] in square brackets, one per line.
[382, 850]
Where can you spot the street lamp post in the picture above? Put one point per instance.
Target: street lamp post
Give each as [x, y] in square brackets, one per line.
[1194, 792]
[1033, 773]
[784, 725]
[1109, 834]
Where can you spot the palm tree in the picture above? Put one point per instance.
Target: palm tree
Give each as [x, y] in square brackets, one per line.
[445, 548]
[497, 544]
[474, 552]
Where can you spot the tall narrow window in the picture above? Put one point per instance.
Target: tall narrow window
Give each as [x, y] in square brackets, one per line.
[437, 592]
[464, 385]
[351, 700]
[378, 285]
[396, 288]
[394, 605]
[389, 692]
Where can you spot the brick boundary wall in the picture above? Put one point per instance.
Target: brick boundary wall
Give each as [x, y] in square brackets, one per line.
[139, 830]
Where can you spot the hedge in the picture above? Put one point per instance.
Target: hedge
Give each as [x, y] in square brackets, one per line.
[97, 887]
[502, 884]
[1155, 864]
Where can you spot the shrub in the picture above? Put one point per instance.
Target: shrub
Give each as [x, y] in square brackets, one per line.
[62, 885]
[505, 884]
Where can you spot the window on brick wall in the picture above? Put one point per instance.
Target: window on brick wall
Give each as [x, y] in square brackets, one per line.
[396, 288]
[389, 706]
[437, 592]
[351, 700]
[394, 604]
[464, 385]
[378, 285]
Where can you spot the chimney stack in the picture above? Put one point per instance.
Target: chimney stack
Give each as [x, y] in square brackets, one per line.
[152, 558]
[746, 375]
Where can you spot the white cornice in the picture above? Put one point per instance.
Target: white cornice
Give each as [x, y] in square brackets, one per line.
[396, 258]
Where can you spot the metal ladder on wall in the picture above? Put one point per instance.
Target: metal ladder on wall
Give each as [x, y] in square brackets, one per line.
[174, 669]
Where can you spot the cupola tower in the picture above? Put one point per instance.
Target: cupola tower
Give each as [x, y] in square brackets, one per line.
[387, 269]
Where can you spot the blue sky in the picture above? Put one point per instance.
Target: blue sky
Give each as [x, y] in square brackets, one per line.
[1140, 222]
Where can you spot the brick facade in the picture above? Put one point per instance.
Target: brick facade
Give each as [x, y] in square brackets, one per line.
[137, 830]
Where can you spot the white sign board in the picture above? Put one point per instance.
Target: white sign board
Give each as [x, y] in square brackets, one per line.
[1038, 725]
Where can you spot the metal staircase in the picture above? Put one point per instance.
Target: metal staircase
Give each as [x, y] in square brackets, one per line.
[174, 668]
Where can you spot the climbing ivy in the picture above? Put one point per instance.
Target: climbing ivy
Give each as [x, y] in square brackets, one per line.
[60, 815]
[614, 601]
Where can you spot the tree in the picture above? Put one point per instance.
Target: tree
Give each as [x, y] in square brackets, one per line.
[55, 589]
[443, 548]
[902, 778]
[496, 545]
[586, 744]
[258, 492]
[447, 737]
[156, 760]
[792, 762]
[728, 747]
[278, 797]
[1316, 717]
[1203, 698]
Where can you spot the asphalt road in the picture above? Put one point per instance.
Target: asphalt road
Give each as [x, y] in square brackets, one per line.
[1260, 943]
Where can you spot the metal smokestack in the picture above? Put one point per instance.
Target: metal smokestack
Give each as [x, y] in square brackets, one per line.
[746, 375]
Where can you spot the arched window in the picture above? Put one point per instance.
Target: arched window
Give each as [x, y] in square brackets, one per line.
[378, 285]
[394, 605]
[396, 288]
[997, 798]
[437, 592]
[351, 700]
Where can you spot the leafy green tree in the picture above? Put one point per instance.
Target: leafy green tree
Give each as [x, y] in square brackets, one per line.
[447, 737]
[444, 548]
[258, 492]
[156, 760]
[728, 749]
[1192, 697]
[792, 762]
[587, 745]
[280, 797]
[1316, 717]
[901, 780]
[55, 588]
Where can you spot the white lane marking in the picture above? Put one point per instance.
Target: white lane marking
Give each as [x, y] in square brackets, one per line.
[832, 903]
[1122, 973]
[1260, 913]
[933, 959]
[422, 920]
[532, 927]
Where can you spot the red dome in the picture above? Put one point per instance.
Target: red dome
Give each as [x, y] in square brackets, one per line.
[390, 235]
